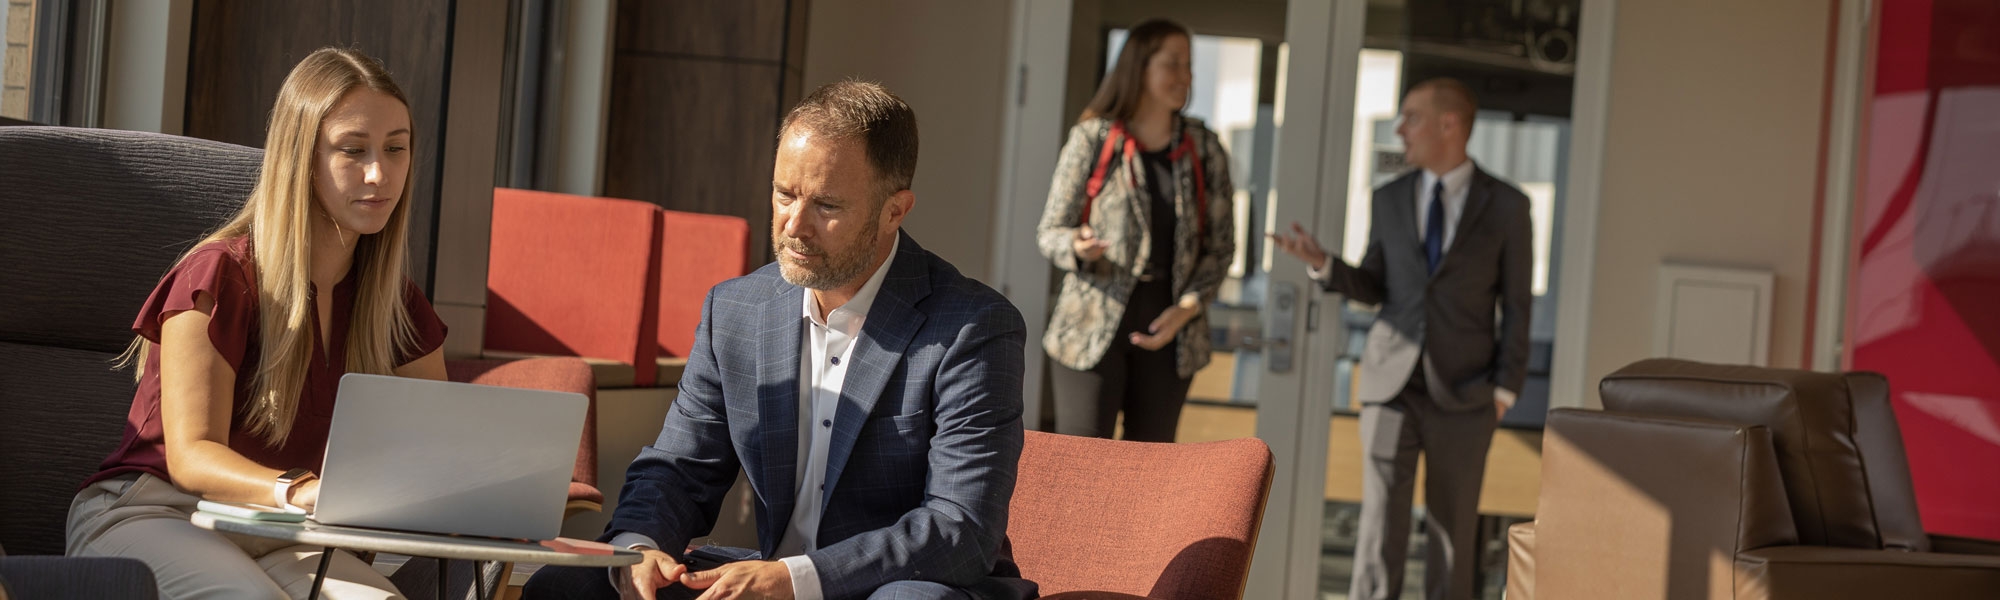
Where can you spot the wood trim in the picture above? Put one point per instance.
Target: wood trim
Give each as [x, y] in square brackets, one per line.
[1569, 382]
[1841, 148]
[468, 138]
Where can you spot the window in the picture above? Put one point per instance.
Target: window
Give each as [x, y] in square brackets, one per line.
[18, 59]
[51, 61]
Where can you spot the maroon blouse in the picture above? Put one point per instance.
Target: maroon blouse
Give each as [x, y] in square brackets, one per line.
[224, 270]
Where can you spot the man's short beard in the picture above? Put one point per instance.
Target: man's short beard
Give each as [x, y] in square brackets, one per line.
[839, 269]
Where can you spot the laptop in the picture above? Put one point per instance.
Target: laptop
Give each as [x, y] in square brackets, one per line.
[452, 458]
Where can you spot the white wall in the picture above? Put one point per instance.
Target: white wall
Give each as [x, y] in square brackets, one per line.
[947, 59]
[1711, 157]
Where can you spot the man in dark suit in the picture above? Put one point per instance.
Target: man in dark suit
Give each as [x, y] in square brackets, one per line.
[1447, 245]
[871, 393]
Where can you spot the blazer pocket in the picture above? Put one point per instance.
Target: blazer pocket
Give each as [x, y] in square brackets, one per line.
[897, 443]
[917, 422]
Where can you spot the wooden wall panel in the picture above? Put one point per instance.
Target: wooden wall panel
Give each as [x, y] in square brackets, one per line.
[737, 29]
[241, 52]
[695, 136]
[697, 91]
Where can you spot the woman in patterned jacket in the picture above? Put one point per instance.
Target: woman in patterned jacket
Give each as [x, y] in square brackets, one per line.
[1139, 219]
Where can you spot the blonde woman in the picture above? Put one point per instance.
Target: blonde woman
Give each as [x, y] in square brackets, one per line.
[241, 346]
[1139, 220]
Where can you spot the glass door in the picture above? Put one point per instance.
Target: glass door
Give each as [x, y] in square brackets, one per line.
[1247, 66]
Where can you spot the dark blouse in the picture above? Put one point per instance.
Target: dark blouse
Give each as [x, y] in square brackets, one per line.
[1160, 185]
[224, 270]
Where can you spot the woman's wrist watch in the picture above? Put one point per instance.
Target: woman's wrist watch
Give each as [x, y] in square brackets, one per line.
[281, 491]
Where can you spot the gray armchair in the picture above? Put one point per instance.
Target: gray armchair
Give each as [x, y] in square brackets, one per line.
[39, 577]
[89, 221]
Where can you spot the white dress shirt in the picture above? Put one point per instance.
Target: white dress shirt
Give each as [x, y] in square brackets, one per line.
[1457, 182]
[823, 359]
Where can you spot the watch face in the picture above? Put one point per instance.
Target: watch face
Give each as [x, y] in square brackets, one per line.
[295, 474]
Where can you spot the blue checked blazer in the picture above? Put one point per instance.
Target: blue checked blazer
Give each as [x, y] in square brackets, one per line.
[926, 440]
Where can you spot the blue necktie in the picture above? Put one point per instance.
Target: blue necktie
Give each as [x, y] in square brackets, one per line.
[1434, 227]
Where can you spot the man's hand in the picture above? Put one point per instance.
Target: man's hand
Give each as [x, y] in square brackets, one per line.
[1300, 244]
[1087, 246]
[1503, 400]
[656, 570]
[750, 579]
[1163, 328]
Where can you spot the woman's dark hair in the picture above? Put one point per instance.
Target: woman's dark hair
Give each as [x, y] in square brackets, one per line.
[1118, 96]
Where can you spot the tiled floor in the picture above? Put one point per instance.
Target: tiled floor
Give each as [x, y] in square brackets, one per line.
[1336, 557]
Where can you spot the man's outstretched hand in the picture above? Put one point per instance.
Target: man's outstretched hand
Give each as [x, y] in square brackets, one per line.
[1301, 244]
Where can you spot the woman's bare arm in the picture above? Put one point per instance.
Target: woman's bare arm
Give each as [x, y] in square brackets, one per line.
[431, 367]
[197, 394]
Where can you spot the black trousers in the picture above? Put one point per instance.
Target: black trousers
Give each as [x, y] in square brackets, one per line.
[586, 583]
[1144, 384]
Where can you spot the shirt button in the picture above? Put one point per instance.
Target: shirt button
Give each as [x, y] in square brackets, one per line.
[826, 423]
[836, 360]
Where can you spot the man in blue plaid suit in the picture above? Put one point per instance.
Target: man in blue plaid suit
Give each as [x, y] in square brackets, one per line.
[871, 393]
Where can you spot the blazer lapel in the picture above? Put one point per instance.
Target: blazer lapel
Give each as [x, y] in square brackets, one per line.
[778, 407]
[1403, 216]
[1138, 200]
[1476, 198]
[892, 322]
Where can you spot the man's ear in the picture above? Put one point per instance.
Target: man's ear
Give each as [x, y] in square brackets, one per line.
[1450, 123]
[896, 207]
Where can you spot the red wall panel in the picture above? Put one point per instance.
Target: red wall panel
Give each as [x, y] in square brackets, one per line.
[1924, 286]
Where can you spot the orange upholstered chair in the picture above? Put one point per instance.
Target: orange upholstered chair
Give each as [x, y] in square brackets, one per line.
[697, 251]
[1096, 518]
[575, 276]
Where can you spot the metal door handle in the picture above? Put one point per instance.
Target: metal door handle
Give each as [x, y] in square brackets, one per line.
[1284, 308]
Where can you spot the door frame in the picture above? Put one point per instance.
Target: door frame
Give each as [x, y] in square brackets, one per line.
[1324, 40]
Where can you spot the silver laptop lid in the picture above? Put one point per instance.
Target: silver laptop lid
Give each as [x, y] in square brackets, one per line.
[448, 457]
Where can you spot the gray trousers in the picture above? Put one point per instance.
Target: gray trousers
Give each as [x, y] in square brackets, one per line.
[1453, 445]
[145, 517]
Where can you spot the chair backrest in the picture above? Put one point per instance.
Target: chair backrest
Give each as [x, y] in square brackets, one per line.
[1166, 521]
[697, 251]
[1619, 518]
[574, 276]
[1839, 449]
[90, 220]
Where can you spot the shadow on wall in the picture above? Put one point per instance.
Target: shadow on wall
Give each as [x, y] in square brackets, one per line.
[509, 328]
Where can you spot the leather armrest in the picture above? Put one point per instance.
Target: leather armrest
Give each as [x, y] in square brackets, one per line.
[1834, 573]
[1521, 561]
[1948, 544]
[1640, 502]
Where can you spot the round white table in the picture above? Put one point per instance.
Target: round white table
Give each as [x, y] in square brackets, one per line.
[442, 547]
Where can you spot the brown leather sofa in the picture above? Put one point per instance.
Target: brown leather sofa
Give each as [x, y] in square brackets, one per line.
[1711, 481]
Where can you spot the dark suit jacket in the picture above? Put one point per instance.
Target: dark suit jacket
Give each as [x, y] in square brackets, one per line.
[925, 443]
[1447, 319]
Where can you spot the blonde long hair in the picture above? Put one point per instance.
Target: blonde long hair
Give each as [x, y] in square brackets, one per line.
[278, 221]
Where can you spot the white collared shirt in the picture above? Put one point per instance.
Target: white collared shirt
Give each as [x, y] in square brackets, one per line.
[1457, 183]
[823, 363]
[824, 355]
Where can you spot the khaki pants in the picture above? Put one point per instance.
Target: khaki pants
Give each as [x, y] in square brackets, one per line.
[145, 517]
